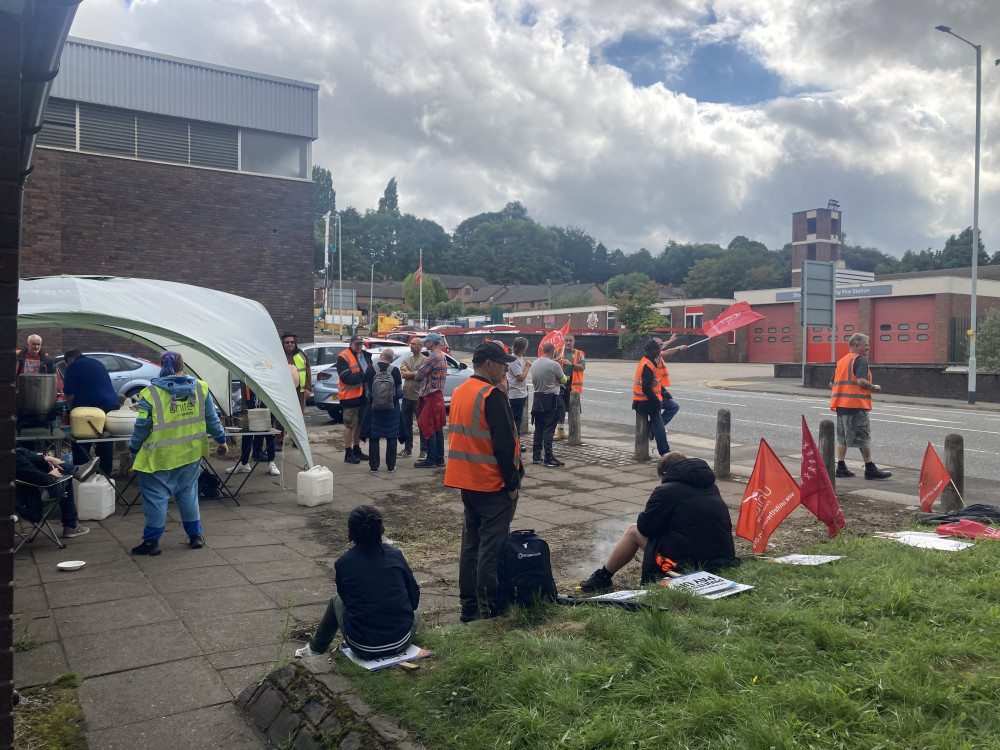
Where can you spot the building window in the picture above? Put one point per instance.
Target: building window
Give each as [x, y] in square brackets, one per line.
[758, 330]
[848, 328]
[922, 337]
[757, 339]
[835, 229]
[732, 337]
[785, 329]
[106, 130]
[817, 338]
[162, 139]
[817, 330]
[811, 251]
[272, 153]
[923, 326]
[215, 146]
[59, 125]
[903, 337]
[771, 339]
[811, 228]
[885, 338]
[772, 330]
[692, 320]
[885, 327]
[903, 326]
[786, 338]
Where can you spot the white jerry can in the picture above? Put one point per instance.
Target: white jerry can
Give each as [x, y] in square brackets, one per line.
[314, 487]
[95, 498]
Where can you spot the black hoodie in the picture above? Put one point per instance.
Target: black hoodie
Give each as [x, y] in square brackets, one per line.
[687, 521]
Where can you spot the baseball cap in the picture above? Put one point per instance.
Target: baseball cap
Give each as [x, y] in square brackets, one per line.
[651, 346]
[354, 338]
[490, 350]
[432, 336]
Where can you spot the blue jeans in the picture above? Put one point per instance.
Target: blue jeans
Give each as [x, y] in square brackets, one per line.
[435, 447]
[330, 623]
[158, 486]
[670, 409]
[67, 505]
[656, 424]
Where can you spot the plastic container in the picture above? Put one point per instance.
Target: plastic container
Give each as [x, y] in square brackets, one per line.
[120, 423]
[95, 498]
[258, 420]
[87, 422]
[314, 487]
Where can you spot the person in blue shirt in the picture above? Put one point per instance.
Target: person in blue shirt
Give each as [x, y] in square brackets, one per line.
[377, 596]
[87, 383]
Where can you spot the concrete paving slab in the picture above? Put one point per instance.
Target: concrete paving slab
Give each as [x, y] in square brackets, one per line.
[50, 573]
[565, 518]
[222, 601]
[267, 654]
[137, 695]
[266, 553]
[309, 613]
[25, 572]
[211, 728]
[250, 539]
[106, 617]
[534, 506]
[527, 522]
[632, 492]
[213, 577]
[130, 648]
[35, 627]
[282, 570]
[235, 527]
[223, 632]
[300, 590]
[618, 508]
[28, 598]
[110, 549]
[40, 665]
[238, 679]
[178, 556]
[71, 592]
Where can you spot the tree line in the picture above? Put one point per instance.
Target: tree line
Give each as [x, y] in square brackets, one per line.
[508, 246]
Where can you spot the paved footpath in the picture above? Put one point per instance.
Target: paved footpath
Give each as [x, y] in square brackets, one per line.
[165, 644]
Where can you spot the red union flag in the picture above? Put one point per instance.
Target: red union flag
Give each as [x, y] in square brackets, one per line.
[737, 316]
[420, 271]
[556, 337]
[816, 490]
[771, 494]
[934, 477]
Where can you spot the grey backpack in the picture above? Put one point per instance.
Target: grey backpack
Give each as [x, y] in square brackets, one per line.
[383, 390]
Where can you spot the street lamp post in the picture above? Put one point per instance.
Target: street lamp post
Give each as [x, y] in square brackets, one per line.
[371, 297]
[975, 214]
[340, 269]
[326, 273]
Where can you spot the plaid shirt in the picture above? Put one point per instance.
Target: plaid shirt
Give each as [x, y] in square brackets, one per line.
[432, 373]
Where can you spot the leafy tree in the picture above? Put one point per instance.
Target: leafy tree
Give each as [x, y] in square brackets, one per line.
[630, 282]
[572, 299]
[868, 259]
[508, 250]
[637, 313]
[762, 277]
[389, 202]
[957, 252]
[324, 196]
[576, 252]
[921, 261]
[988, 342]
[673, 264]
[434, 291]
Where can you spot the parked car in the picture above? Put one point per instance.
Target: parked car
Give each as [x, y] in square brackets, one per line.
[499, 328]
[326, 392]
[129, 375]
[399, 329]
[406, 336]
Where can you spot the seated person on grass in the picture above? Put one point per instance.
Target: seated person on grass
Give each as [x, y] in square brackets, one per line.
[377, 596]
[685, 524]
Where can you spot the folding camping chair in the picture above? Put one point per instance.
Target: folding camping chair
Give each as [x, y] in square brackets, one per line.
[42, 510]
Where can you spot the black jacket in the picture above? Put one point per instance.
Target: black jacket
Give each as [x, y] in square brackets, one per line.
[32, 474]
[47, 364]
[687, 521]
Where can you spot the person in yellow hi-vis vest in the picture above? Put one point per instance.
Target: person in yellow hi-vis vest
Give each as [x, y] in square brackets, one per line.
[176, 415]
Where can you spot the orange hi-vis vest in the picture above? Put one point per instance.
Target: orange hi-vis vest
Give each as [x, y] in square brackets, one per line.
[847, 394]
[576, 379]
[345, 391]
[471, 463]
[663, 372]
[637, 394]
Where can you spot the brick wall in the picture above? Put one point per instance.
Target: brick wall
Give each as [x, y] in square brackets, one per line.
[247, 235]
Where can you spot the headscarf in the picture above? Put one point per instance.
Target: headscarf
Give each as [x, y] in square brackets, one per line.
[168, 365]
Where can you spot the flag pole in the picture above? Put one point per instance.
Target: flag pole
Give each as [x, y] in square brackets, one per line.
[952, 482]
[702, 341]
[420, 323]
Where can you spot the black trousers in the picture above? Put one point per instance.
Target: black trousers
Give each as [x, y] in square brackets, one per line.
[545, 411]
[407, 413]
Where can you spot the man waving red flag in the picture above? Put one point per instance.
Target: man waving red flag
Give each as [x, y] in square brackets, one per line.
[817, 490]
[771, 494]
[557, 337]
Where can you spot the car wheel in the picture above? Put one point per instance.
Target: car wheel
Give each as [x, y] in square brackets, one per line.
[133, 392]
[335, 413]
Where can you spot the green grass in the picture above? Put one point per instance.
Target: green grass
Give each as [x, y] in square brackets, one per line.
[50, 717]
[892, 647]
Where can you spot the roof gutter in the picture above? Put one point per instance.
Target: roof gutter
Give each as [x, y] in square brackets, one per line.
[46, 26]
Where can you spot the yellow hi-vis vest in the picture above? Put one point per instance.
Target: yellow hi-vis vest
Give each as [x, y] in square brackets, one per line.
[179, 434]
[299, 360]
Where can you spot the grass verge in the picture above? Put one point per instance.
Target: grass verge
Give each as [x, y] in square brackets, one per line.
[50, 717]
[892, 647]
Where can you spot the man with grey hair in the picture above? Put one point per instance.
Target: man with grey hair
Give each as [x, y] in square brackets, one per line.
[32, 360]
[546, 377]
[852, 400]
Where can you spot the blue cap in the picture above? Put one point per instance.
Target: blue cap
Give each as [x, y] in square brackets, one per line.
[433, 336]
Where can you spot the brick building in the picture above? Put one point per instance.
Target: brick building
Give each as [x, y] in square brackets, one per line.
[159, 167]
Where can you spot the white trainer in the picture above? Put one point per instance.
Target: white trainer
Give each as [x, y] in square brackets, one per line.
[305, 651]
[272, 469]
[239, 469]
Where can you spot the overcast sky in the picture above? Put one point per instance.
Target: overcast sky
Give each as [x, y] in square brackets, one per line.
[639, 121]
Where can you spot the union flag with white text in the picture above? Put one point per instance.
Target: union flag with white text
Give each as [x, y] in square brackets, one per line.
[934, 477]
[771, 494]
[557, 337]
[816, 490]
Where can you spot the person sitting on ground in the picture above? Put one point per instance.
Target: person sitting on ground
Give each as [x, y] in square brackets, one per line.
[685, 524]
[42, 477]
[377, 596]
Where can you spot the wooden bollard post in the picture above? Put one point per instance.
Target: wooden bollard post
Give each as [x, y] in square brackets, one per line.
[573, 419]
[827, 448]
[641, 437]
[954, 462]
[723, 435]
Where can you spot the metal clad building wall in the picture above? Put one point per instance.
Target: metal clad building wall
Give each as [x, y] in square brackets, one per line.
[141, 81]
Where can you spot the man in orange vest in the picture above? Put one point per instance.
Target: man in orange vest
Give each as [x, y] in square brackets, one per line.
[573, 363]
[484, 462]
[647, 393]
[351, 366]
[852, 400]
[670, 407]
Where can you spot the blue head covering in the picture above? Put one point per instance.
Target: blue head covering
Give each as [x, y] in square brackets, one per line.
[168, 364]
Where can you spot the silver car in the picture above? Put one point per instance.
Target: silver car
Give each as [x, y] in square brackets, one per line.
[326, 390]
[129, 375]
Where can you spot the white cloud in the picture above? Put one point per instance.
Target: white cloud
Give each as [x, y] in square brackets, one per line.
[472, 104]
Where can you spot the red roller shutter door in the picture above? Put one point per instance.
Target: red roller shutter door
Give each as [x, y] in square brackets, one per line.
[847, 325]
[770, 340]
[903, 329]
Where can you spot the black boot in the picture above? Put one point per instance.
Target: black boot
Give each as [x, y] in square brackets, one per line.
[350, 458]
[359, 455]
[843, 471]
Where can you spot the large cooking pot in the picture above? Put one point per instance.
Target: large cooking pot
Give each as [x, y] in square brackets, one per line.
[36, 393]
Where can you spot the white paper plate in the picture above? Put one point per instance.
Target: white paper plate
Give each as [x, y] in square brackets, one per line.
[71, 565]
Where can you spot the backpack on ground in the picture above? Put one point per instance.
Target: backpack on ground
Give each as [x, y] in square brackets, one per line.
[383, 391]
[524, 570]
[208, 484]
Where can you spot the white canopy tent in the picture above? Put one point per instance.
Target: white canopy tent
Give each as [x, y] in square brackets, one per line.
[216, 333]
